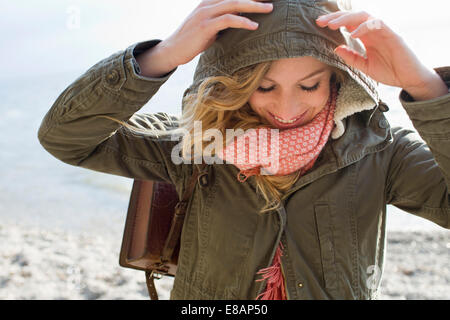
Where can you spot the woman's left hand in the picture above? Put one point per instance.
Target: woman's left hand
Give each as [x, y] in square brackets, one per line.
[389, 60]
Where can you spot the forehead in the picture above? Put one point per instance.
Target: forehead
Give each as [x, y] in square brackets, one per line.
[304, 64]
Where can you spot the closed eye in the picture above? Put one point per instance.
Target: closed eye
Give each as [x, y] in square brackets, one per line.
[265, 89]
[313, 88]
[308, 89]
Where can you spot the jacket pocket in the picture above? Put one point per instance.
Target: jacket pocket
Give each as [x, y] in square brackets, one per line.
[324, 227]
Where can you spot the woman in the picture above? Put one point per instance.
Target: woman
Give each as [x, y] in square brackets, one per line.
[312, 227]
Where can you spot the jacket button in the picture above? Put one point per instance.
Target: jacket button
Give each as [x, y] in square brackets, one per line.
[203, 179]
[112, 77]
[300, 285]
[383, 123]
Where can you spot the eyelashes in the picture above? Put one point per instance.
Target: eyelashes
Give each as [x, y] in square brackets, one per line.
[307, 89]
[313, 88]
[261, 89]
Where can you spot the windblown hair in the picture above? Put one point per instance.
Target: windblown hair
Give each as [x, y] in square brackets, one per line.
[221, 102]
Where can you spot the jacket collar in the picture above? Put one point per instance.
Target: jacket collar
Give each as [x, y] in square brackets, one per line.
[365, 133]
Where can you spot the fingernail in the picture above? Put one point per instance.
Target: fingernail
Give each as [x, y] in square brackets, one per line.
[320, 18]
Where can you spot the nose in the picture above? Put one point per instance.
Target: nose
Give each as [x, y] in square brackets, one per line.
[288, 108]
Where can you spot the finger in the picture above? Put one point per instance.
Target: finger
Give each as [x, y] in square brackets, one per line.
[368, 26]
[232, 6]
[322, 21]
[352, 58]
[232, 21]
[350, 20]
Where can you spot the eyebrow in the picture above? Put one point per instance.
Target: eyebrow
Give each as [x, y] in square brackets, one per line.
[307, 77]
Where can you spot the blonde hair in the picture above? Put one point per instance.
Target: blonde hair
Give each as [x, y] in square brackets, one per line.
[221, 102]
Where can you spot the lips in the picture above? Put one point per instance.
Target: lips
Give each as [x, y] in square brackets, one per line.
[288, 125]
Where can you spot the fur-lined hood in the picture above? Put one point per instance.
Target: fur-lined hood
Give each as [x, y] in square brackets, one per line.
[290, 31]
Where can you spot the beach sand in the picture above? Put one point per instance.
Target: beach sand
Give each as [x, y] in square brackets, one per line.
[55, 264]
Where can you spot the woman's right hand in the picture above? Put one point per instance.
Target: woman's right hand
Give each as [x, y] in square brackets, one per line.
[199, 30]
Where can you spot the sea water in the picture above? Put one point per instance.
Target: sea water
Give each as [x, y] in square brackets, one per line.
[39, 189]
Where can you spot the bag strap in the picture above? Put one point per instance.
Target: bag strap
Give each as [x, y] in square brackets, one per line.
[149, 276]
[178, 217]
[176, 227]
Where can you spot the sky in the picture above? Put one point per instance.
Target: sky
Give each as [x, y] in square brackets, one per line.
[52, 36]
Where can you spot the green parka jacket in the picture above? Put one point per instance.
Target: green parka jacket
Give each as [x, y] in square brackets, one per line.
[333, 220]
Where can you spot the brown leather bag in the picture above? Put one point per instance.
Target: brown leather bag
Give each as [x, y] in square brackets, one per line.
[151, 238]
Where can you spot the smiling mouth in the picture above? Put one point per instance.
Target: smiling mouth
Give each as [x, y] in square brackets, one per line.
[288, 122]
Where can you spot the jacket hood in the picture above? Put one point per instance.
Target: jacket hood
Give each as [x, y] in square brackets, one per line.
[290, 31]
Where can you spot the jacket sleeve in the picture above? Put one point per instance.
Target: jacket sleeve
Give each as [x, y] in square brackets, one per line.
[72, 133]
[418, 176]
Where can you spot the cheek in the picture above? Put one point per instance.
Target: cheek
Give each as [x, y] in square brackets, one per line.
[256, 103]
[320, 98]
[322, 95]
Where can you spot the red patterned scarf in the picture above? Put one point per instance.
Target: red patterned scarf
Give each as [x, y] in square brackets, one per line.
[261, 151]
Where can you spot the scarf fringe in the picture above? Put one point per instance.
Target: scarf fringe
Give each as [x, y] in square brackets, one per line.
[247, 173]
[275, 287]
